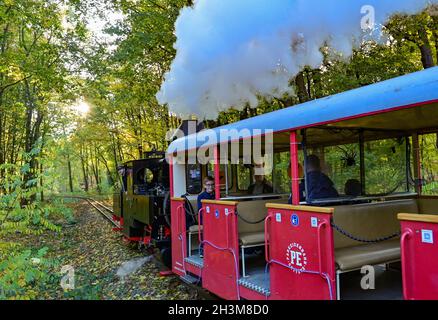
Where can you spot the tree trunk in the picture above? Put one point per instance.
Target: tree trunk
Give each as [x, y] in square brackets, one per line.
[426, 49]
[84, 171]
[302, 93]
[41, 183]
[70, 177]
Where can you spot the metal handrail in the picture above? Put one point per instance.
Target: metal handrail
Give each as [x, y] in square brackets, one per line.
[321, 225]
[406, 236]
[269, 217]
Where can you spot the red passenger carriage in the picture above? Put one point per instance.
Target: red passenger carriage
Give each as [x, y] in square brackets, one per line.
[371, 143]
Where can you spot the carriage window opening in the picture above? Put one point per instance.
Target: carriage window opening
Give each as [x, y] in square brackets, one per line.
[332, 165]
[429, 163]
[244, 177]
[123, 178]
[385, 166]
[194, 179]
[281, 178]
[342, 164]
[144, 176]
[223, 175]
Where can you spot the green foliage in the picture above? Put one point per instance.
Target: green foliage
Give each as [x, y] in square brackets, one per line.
[23, 274]
[19, 212]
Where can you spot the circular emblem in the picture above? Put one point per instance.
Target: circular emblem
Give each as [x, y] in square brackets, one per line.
[216, 214]
[296, 257]
[295, 220]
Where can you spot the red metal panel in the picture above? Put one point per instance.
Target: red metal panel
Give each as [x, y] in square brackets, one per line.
[419, 245]
[221, 250]
[179, 238]
[301, 255]
[249, 294]
[193, 269]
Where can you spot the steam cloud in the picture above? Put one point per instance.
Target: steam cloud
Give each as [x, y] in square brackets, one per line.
[229, 52]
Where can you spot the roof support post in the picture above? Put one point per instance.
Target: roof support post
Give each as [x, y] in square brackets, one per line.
[362, 162]
[171, 182]
[294, 168]
[417, 163]
[217, 173]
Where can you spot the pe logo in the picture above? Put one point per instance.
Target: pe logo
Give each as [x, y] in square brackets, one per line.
[296, 257]
[295, 220]
[216, 214]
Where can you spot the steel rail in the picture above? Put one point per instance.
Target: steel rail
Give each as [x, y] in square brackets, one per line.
[105, 211]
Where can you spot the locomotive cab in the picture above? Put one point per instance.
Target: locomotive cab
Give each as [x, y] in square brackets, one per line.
[139, 204]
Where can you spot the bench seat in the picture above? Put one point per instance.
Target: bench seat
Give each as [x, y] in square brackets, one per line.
[252, 239]
[351, 258]
[195, 228]
[253, 234]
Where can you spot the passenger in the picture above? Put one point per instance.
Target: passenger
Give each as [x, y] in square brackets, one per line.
[319, 185]
[353, 188]
[208, 193]
[260, 185]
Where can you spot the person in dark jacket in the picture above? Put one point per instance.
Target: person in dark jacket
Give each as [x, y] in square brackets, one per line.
[319, 186]
[260, 185]
[208, 193]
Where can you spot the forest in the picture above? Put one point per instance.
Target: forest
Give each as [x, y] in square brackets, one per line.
[78, 85]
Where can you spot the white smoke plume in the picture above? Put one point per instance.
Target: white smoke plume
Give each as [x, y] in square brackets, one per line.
[229, 52]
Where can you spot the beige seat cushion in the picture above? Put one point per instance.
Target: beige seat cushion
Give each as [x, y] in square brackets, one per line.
[427, 206]
[253, 234]
[254, 211]
[370, 221]
[370, 254]
[252, 239]
[195, 228]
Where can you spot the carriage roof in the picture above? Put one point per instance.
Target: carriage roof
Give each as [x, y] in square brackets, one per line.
[412, 90]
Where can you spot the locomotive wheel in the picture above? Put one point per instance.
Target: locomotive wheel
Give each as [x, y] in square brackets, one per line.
[166, 257]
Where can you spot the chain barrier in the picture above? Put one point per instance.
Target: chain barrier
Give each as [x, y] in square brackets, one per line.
[358, 239]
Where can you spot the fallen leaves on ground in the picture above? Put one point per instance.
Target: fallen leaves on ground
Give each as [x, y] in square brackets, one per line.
[96, 252]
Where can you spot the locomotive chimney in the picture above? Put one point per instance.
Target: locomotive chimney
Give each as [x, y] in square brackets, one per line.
[188, 127]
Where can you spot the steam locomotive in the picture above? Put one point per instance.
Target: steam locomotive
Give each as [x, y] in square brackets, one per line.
[140, 204]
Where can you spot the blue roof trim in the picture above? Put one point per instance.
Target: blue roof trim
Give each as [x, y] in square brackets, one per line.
[415, 88]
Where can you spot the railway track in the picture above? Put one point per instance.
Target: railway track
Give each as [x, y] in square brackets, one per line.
[105, 211]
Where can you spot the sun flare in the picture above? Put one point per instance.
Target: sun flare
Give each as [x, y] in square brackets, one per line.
[82, 108]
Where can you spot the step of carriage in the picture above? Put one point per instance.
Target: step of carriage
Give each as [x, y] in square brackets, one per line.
[190, 279]
[255, 287]
[195, 261]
